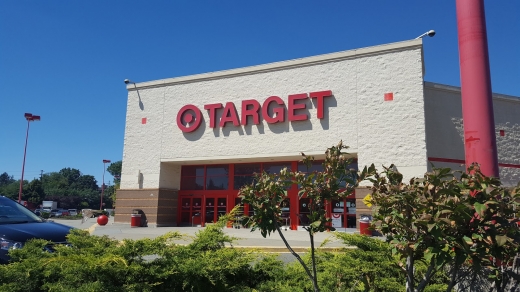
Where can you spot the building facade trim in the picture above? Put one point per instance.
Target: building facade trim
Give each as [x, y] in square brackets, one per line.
[456, 89]
[290, 64]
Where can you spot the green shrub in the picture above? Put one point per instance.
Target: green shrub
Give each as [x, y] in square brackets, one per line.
[96, 263]
[369, 267]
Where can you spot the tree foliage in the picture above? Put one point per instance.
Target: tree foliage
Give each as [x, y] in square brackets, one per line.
[34, 192]
[267, 193]
[459, 221]
[93, 263]
[69, 187]
[115, 170]
[6, 179]
[72, 189]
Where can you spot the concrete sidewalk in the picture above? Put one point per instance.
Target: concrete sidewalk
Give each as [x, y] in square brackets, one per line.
[298, 240]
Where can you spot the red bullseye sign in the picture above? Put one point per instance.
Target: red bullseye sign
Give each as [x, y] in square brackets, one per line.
[186, 117]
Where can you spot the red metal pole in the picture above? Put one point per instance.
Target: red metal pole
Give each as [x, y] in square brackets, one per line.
[23, 164]
[477, 104]
[102, 188]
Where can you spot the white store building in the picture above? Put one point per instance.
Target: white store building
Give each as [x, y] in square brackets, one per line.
[191, 142]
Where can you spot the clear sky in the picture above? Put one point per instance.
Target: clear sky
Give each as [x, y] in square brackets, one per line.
[66, 60]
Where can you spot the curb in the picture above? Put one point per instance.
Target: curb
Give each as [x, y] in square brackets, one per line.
[91, 228]
[286, 250]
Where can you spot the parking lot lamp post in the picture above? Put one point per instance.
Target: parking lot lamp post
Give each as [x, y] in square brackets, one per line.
[30, 118]
[103, 184]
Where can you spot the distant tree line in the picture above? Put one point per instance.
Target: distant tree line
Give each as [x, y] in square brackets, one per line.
[69, 187]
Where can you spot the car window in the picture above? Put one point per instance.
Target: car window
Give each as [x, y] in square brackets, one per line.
[12, 212]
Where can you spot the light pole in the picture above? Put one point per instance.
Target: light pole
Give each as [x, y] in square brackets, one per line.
[30, 118]
[103, 185]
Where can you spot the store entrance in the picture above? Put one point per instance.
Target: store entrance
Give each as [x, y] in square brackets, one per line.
[191, 211]
[215, 207]
[344, 213]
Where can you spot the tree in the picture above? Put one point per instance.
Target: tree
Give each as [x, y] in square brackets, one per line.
[55, 184]
[11, 190]
[267, 193]
[115, 170]
[34, 192]
[85, 182]
[6, 179]
[69, 182]
[70, 174]
[8, 186]
[451, 220]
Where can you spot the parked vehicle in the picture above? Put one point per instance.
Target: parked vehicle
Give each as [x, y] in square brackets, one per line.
[19, 224]
[73, 212]
[56, 213]
[50, 205]
[64, 212]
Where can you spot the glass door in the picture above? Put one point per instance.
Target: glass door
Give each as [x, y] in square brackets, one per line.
[215, 207]
[196, 212]
[351, 210]
[191, 211]
[185, 211]
[304, 211]
[210, 215]
[339, 213]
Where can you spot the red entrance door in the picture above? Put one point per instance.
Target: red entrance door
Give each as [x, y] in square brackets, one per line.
[215, 207]
[191, 211]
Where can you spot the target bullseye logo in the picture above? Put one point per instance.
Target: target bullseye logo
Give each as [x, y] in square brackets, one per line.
[189, 118]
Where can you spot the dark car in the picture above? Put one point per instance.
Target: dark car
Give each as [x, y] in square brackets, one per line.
[18, 224]
[55, 213]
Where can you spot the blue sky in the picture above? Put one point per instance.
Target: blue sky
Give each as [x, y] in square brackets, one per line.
[66, 60]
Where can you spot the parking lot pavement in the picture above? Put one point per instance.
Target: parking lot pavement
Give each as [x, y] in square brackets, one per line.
[298, 240]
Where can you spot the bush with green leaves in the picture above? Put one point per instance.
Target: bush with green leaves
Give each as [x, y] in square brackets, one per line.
[267, 193]
[365, 264]
[94, 263]
[451, 221]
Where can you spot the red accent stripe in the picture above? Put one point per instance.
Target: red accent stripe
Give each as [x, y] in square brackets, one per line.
[460, 161]
[509, 165]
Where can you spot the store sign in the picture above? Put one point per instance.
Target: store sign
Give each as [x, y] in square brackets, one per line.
[189, 116]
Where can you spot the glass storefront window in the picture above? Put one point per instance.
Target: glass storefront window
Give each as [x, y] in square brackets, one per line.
[213, 177]
[193, 170]
[272, 168]
[244, 174]
[316, 166]
[192, 177]
[217, 170]
[247, 169]
[276, 167]
[193, 183]
[217, 183]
